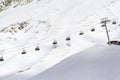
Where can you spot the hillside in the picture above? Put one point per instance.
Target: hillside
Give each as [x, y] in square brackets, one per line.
[98, 62]
[27, 24]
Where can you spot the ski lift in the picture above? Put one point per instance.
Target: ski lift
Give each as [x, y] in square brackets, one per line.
[103, 25]
[93, 29]
[114, 22]
[24, 52]
[68, 38]
[102, 22]
[37, 48]
[81, 33]
[54, 42]
[1, 58]
[68, 43]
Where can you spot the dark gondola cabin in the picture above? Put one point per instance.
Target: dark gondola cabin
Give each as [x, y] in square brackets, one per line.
[114, 22]
[1, 58]
[81, 33]
[24, 52]
[54, 42]
[93, 29]
[68, 39]
[37, 48]
[103, 25]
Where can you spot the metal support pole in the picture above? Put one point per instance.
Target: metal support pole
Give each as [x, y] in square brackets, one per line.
[104, 23]
[107, 34]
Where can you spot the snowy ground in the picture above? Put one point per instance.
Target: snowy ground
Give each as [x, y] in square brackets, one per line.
[45, 21]
[96, 63]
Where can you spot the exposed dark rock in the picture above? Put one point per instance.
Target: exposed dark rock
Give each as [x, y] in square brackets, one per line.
[114, 42]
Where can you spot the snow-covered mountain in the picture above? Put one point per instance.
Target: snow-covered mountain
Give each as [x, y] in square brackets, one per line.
[27, 24]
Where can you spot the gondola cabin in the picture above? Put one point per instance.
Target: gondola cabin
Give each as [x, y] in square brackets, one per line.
[24, 52]
[114, 22]
[93, 29]
[1, 58]
[81, 33]
[103, 25]
[68, 39]
[54, 42]
[37, 48]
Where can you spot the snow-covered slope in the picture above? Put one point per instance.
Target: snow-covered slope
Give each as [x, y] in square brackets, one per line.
[40, 22]
[96, 63]
[61, 17]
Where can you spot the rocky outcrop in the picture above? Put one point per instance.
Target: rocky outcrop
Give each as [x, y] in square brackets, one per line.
[4, 4]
